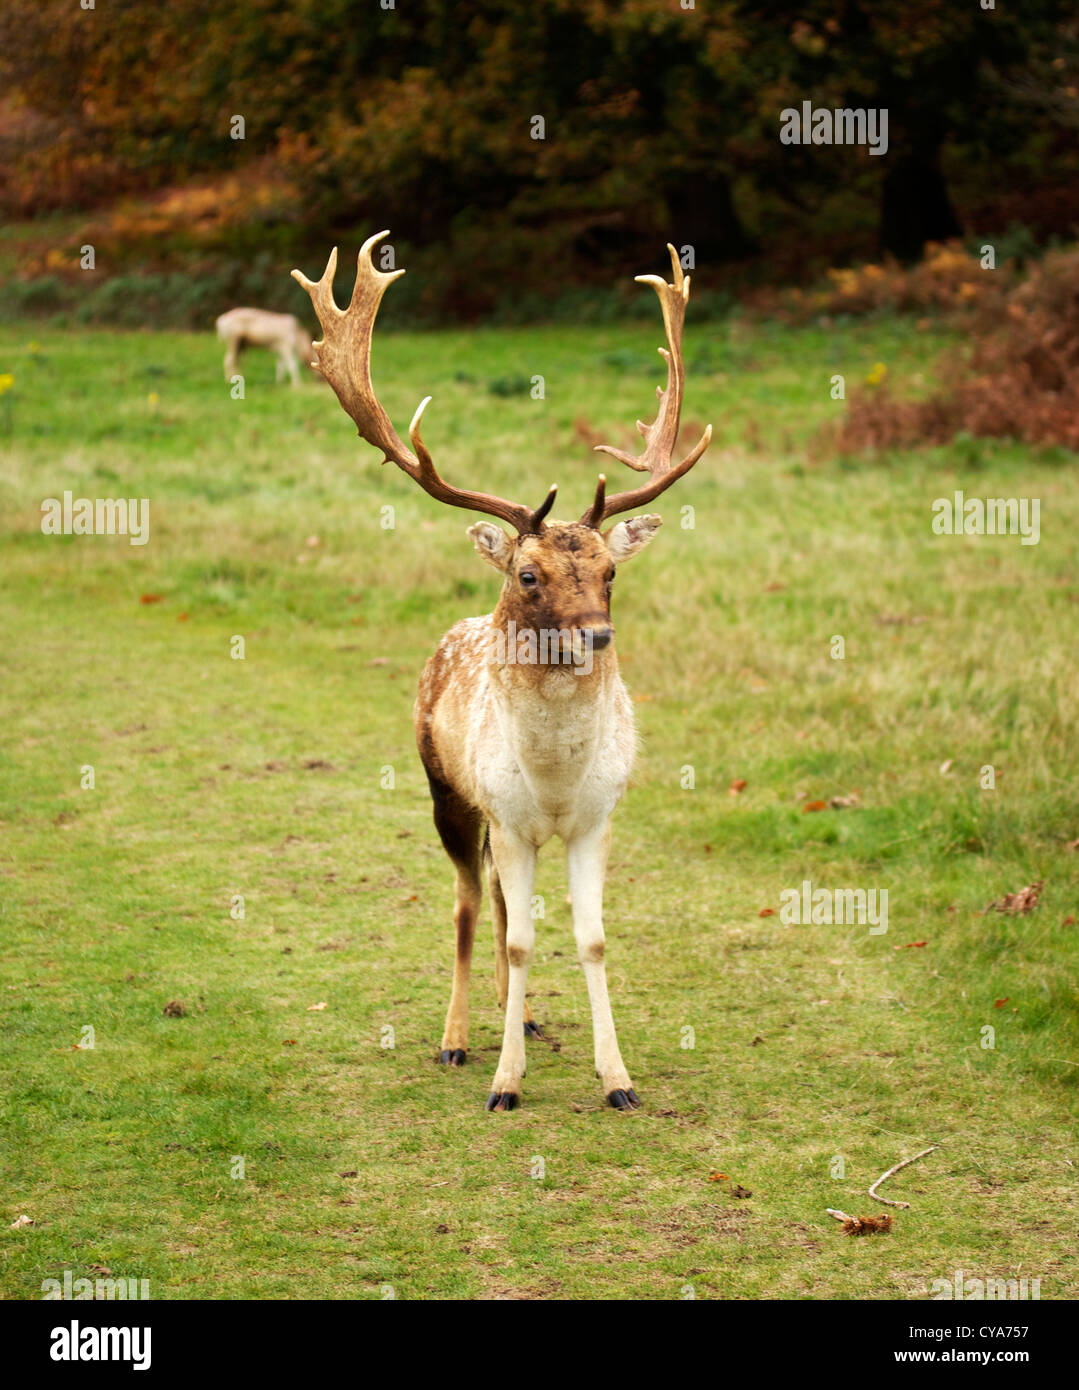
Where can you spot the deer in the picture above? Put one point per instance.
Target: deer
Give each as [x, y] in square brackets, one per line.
[241, 328]
[522, 740]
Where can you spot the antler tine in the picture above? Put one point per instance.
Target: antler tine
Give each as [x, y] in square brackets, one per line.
[662, 434]
[343, 356]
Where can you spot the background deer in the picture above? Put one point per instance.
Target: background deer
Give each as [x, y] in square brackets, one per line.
[517, 748]
[282, 333]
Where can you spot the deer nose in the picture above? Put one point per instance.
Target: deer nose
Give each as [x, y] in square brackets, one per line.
[599, 637]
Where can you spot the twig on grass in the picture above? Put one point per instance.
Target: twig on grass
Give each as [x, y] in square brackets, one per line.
[891, 1173]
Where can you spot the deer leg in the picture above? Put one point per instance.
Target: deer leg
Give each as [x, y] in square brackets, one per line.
[459, 825]
[232, 356]
[515, 865]
[290, 363]
[498, 919]
[587, 857]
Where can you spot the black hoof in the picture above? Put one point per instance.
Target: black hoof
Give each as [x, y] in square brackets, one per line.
[532, 1029]
[501, 1100]
[623, 1100]
[456, 1058]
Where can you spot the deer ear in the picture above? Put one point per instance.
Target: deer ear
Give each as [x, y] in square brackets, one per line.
[492, 543]
[628, 537]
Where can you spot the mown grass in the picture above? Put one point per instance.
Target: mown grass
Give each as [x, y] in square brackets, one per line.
[818, 1049]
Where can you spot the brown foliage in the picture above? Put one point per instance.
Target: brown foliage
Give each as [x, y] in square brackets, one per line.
[1021, 380]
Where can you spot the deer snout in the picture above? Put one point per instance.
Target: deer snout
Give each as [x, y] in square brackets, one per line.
[598, 637]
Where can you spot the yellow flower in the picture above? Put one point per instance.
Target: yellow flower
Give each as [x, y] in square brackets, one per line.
[877, 374]
[153, 400]
[7, 381]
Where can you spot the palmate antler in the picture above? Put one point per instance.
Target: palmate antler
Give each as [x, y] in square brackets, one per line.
[344, 359]
[343, 356]
[662, 434]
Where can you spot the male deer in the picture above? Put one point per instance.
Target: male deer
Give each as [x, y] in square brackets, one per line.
[282, 333]
[519, 748]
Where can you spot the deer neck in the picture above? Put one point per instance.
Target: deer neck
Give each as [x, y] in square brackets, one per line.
[555, 710]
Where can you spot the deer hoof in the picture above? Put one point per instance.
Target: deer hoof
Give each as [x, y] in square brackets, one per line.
[623, 1100]
[454, 1058]
[532, 1029]
[502, 1100]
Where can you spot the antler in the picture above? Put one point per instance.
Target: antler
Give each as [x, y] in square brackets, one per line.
[344, 359]
[661, 435]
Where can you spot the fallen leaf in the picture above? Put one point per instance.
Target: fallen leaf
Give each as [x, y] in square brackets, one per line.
[1068, 921]
[738, 785]
[945, 767]
[1026, 900]
[839, 803]
[174, 1009]
[867, 1225]
[909, 944]
[767, 912]
[315, 1008]
[100, 1269]
[21, 1221]
[999, 1003]
[152, 598]
[718, 1177]
[815, 806]
[289, 1042]
[739, 1191]
[348, 1173]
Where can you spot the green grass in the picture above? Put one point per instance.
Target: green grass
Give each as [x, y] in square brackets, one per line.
[216, 777]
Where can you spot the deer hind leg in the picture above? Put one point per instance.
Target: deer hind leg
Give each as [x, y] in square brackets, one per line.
[515, 865]
[498, 919]
[587, 858]
[460, 827]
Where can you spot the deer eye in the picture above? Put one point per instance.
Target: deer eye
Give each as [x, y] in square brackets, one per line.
[528, 579]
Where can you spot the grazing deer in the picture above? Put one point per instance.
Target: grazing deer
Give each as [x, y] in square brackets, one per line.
[519, 747]
[241, 328]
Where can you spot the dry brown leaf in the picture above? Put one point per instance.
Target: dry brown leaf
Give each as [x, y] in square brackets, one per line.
[815, 806]
[1026, 900]
[867, 1225]
[737, 786]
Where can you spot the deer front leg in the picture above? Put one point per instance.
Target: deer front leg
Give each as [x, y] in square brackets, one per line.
[232, 356]
[587, 858]
[515, 862]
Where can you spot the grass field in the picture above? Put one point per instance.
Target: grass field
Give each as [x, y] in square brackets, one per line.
[822, 1054]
